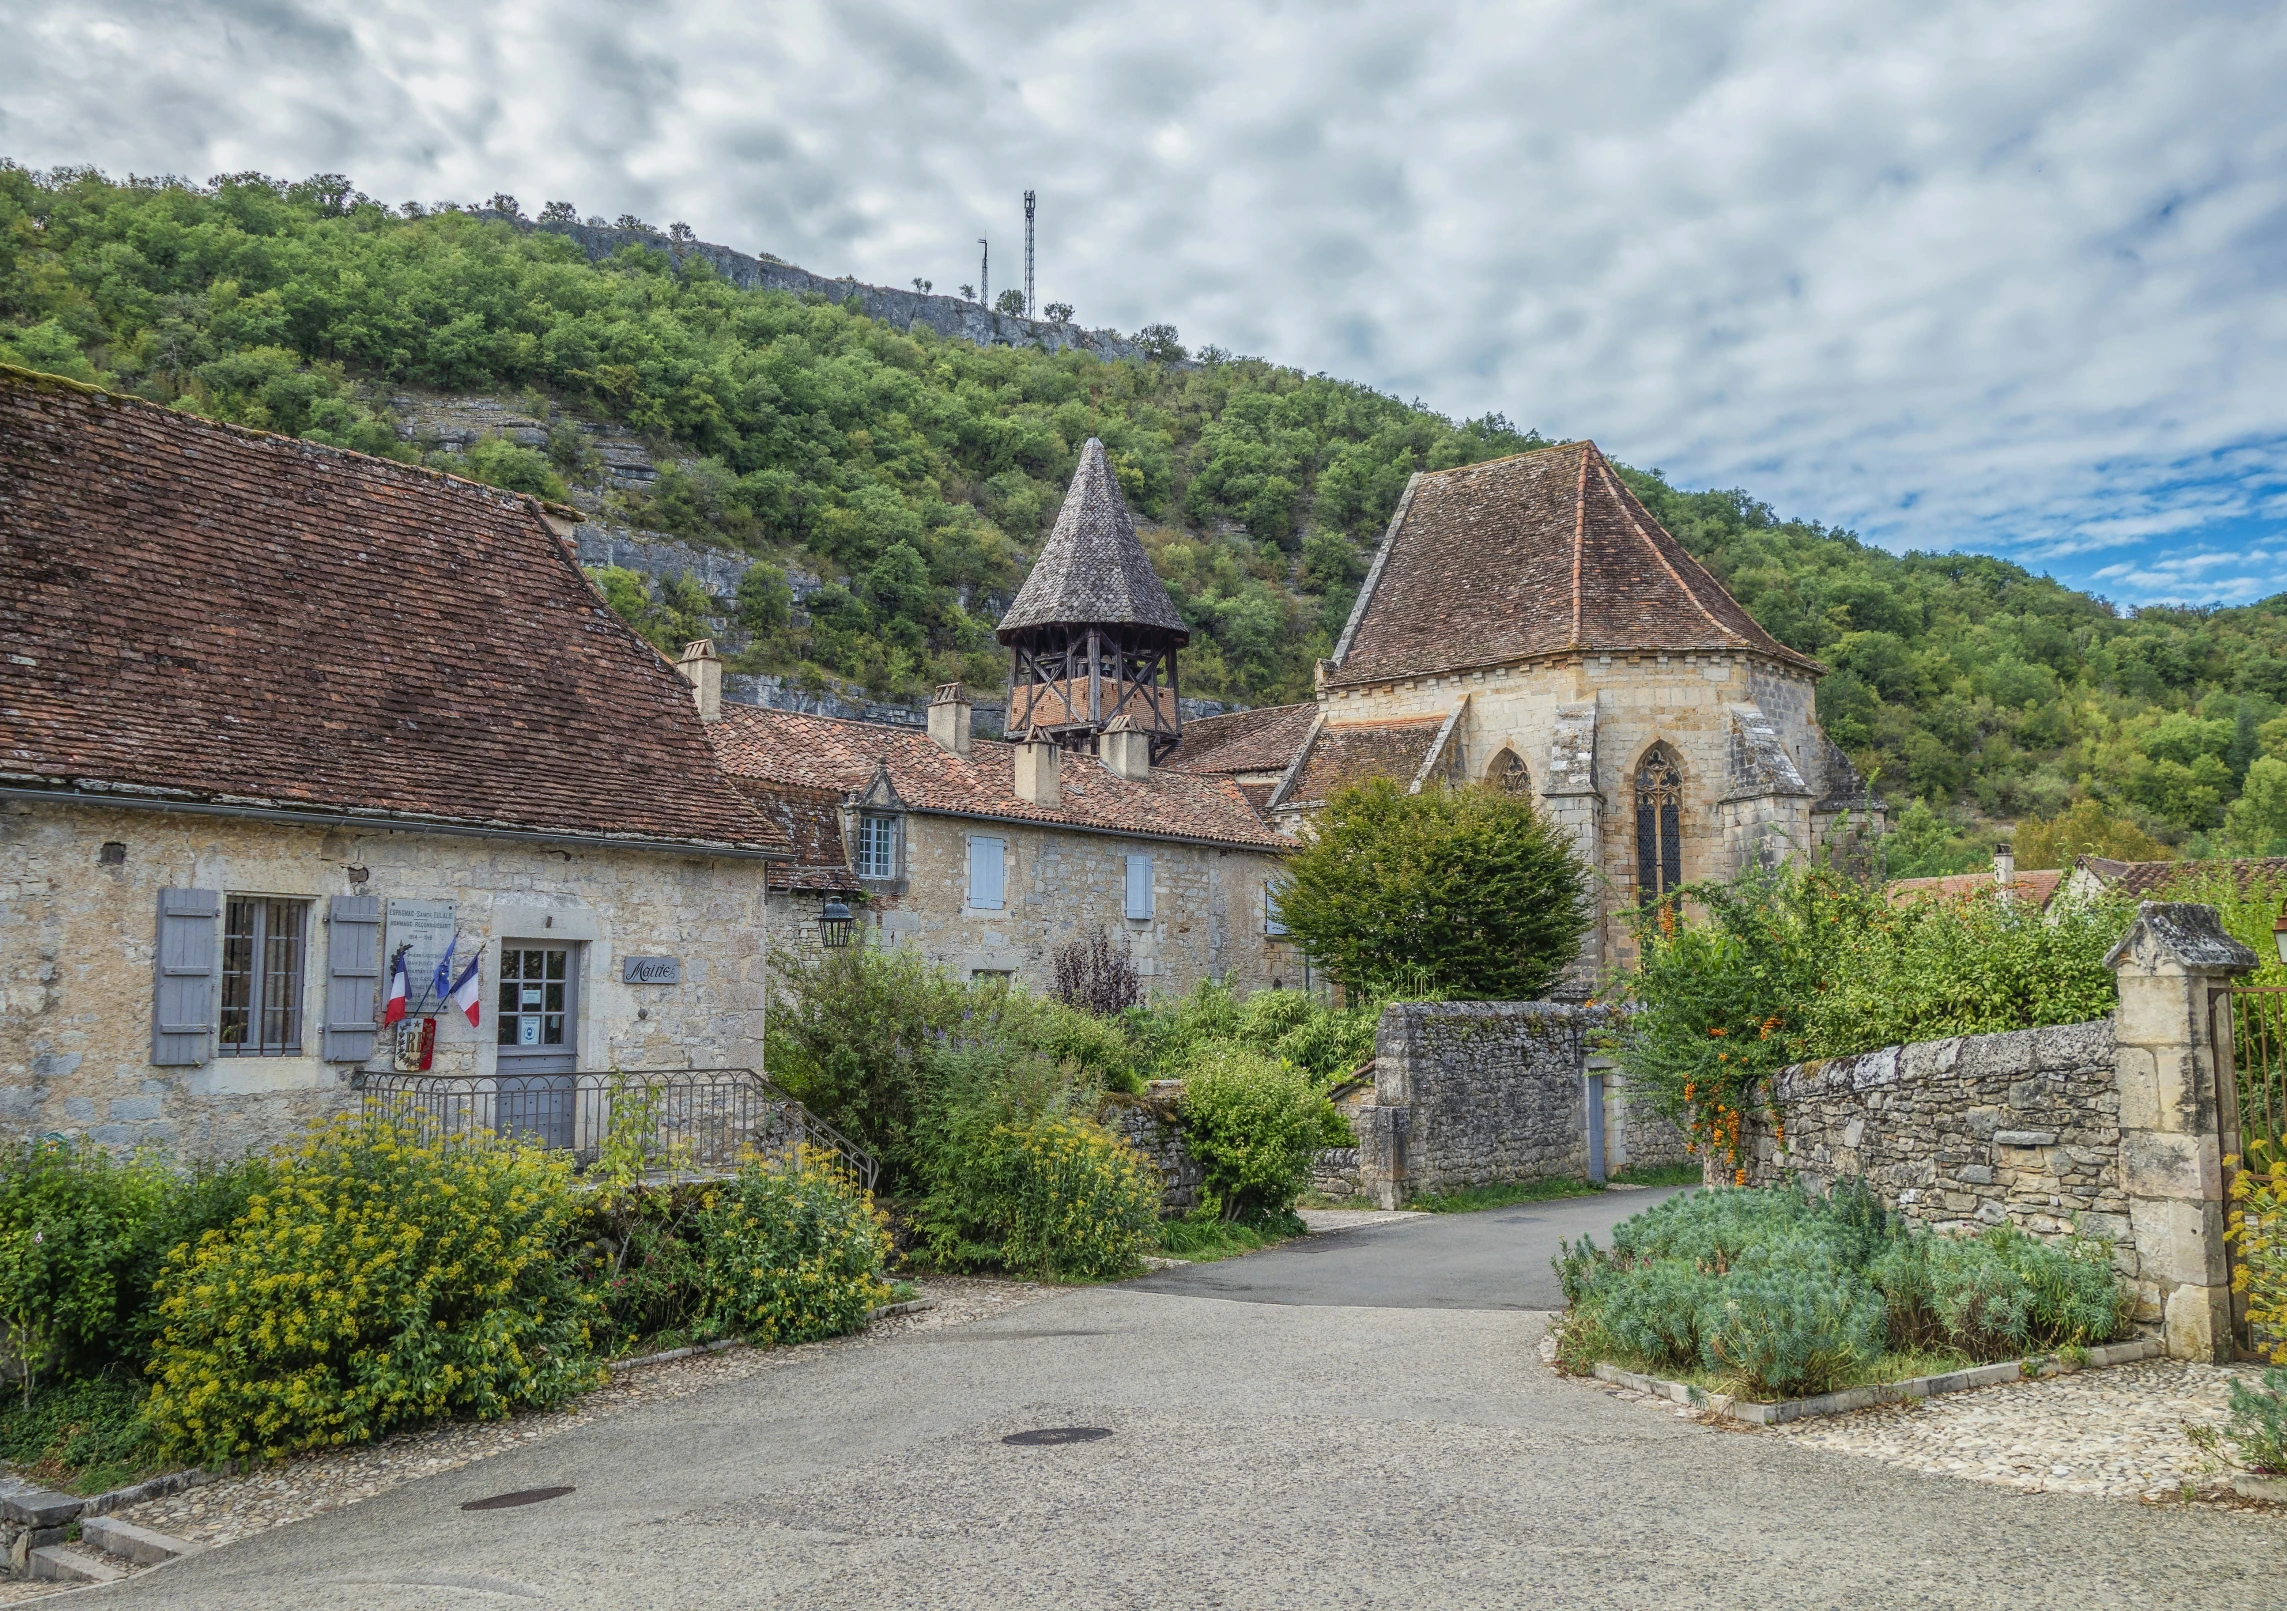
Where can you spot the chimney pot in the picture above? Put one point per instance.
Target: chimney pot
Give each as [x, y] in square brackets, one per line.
[702, 668]
[949, 719]
[1037, 780]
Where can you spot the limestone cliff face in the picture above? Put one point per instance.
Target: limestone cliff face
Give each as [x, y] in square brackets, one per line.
[947, 315]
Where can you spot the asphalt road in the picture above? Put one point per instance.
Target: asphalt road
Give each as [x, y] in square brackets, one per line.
[1299, 1451]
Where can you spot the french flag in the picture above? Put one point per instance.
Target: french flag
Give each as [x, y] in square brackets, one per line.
[467, 993]
[400, 986]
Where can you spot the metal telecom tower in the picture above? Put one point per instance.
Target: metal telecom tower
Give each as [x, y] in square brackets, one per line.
[985, 274]
[1028, 308]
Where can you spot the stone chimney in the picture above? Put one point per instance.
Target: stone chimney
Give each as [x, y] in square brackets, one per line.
[949, 714]
[1125, 749]
[1036, 773]
[703, 670]
[2004, 864]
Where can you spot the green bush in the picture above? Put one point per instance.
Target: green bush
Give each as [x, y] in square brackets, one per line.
[1254, 1126]
[1470, 892]
[1788, 1331]
[1786, 1293]
[2257, 1426]
[376, 1282]
[1048, 1193]
[84, 1235]
[791, 1254]
[85, 1435]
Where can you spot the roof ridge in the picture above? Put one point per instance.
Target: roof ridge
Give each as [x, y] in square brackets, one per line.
[1612, 484]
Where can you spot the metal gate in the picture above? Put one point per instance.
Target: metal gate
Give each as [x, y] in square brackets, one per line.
[2258, 1089]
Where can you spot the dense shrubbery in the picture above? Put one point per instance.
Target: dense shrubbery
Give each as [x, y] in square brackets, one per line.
[2258, 1225]
[375, 1283]
[1785, 1294]
[790, 1254]
[1468, 892]
[1049, 1193]
[1254, 1124]
[1805, 962]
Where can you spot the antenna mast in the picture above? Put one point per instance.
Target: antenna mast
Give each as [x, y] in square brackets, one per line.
[985, 274]
[1028, 312]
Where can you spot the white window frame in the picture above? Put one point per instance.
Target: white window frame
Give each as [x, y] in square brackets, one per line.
[1139, 910]
[987, 850]
[877, 831]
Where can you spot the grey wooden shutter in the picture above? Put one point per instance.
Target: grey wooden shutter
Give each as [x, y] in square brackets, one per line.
[1139, 888]
[353, 974]
[182, 1005]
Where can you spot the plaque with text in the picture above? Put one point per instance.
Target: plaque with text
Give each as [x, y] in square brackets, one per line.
[651, 970]
[428, 927]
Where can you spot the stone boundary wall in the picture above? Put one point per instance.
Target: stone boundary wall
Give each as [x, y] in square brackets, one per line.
[1475, 1093]
[2020, 1128]
[1153, 1132]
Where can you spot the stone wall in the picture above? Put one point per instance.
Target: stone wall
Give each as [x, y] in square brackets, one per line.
[1635, 1136]
[1150, 1128]
[1471, 1093]
[2022, 1128]
[76, 996]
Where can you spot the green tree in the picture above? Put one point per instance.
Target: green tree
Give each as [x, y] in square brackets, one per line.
[1469, 893]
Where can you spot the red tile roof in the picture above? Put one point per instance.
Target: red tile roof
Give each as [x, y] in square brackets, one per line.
[199, 613]
[1538, 554]
[812, 819]
[1351, 752]
[2142, 879]
[1243, 740]
[825, 752]
[2038, 887]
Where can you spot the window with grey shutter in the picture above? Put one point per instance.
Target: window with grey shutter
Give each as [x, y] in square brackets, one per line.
[353, 977]
[182, 1005]
[985, 868]
[1139, 888]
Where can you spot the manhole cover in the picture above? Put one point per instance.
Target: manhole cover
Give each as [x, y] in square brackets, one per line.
[522, 1496]
[1059, 1434]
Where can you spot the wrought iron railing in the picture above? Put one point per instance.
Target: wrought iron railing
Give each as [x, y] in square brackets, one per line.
[2259, 1056]
[658, 1119]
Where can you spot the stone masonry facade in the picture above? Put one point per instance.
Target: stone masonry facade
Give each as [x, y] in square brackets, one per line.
[76, 1006]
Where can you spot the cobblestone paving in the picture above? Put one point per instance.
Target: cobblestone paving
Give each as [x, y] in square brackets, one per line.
[241, 1506]
[2116, 1433]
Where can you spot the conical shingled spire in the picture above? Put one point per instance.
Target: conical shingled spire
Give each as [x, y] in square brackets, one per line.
[1092, 571]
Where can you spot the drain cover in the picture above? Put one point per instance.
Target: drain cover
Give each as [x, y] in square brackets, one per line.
[1059, 1434]
[522, 1496]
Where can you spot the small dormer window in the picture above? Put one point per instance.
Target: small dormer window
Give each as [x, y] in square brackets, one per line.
[877, 846]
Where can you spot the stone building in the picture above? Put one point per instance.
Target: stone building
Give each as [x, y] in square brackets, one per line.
[1526, 623]
[270, 712]
[984, 855]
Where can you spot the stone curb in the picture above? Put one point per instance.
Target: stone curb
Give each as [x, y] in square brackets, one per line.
[911, 1306]
[1863, 1398]
[673, 1354]
[2250, 1485]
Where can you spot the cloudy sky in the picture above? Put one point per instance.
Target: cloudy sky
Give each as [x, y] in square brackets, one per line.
[2002, 277]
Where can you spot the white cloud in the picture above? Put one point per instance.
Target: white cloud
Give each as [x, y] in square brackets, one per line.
[1954, 274]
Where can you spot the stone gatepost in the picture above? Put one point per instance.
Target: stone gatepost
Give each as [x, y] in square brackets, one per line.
[2172, 1062]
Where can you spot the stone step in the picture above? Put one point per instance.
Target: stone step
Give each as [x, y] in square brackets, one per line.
[143, 1545]
[38, 1507]
[60, 1563]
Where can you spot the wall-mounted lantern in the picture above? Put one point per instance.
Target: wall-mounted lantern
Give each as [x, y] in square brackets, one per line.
[834, 924]
[2279, 932]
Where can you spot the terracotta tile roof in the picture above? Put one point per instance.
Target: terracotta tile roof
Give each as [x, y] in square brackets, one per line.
[825, 752]
[2037, 887]
[2142, 880]
[1092, 570]
[1243, 741]
[1537, 554]
[1351, 752]
[812, 819]
[203, 613]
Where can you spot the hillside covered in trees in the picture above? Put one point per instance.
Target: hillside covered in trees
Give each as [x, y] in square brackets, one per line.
[914, 475]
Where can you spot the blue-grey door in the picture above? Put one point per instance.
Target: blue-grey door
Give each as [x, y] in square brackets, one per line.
[537, 1027]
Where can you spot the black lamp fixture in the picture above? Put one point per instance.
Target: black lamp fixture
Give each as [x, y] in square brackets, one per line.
[834, 924]
[2279, 931]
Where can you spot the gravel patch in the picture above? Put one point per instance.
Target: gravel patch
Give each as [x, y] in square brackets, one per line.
[236, 1507]
[2115, 1433]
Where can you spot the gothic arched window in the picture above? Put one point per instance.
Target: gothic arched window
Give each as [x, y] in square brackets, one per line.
[1509, 774]
[1659, 823]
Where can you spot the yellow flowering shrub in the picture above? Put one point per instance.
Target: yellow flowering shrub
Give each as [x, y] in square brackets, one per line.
[2258, 1229]
[791, 1253]
[378, 1281]
[1053, 1194]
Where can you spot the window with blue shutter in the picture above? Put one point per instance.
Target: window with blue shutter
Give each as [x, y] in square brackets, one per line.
[1139, 888]
[985, 867]
[353, 977]
[182, 1006]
